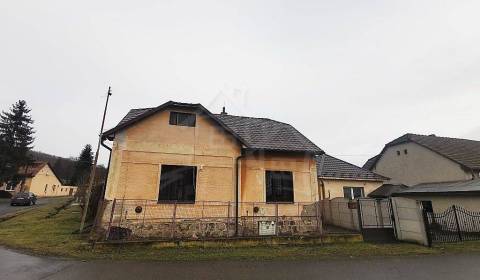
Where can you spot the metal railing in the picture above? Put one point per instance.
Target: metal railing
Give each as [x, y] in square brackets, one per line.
[453, 225]
[148, 219]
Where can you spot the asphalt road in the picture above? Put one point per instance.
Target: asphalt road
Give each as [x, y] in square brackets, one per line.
[5, 207]
[15, 265]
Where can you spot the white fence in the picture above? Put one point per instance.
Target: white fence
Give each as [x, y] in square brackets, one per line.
[338, 213]
[409, 221]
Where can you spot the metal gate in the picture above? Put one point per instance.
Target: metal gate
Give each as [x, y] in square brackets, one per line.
[376, 220]
[453, 225]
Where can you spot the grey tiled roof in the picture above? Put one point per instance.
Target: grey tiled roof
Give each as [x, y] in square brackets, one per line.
[267, 134]
[254, 133]
[463, 151]
[443, 188]
[386, 190]
[133, 114]
[331, 167]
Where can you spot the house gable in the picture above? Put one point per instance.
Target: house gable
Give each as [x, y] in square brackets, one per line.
[410, 163]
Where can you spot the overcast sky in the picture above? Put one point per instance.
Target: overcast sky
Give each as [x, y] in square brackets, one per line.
[350, 75]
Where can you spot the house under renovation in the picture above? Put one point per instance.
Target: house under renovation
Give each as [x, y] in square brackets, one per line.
[180, 171]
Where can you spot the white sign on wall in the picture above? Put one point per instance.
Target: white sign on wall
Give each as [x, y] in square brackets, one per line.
[267, 228]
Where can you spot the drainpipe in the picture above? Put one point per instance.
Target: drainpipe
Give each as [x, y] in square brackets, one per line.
[237, 175]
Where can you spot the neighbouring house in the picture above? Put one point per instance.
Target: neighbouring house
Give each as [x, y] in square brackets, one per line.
[415, 159]
[40, 179]
[338, 178]
[180, 160]
[438, 197]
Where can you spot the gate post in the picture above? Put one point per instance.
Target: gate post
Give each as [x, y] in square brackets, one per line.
[359, 212]
[427, 227]
[456, 222]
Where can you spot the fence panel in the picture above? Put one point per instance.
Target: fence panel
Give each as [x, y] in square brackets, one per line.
[145, 219]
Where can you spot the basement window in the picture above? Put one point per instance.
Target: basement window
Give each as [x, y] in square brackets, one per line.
[182, 119]
[279, 186]
[177, 184]
[353, 192]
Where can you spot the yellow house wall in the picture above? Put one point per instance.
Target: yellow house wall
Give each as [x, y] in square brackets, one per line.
[334, 187]
[45, 179]
[140, 150]
[253, 186]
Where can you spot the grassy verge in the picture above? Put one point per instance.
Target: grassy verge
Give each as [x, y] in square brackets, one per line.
[40, 232]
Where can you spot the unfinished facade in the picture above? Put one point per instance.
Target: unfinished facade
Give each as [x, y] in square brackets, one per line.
[179, 171]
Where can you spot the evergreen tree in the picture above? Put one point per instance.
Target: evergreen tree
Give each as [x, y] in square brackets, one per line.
[16, 139]
[82, 166]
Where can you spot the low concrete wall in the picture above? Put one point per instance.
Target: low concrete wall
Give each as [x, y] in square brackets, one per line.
[336, 212]
[409, 222]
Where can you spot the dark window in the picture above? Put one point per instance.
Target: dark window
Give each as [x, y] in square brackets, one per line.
[427, 206]
[398, 153]
[352, 192]
[177, 184]
[183, 119]
[405, 151]
[279, 186]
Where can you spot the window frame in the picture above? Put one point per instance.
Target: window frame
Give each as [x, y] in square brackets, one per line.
[176, 201]
[174, 119]
[352, 194]
[268, 181]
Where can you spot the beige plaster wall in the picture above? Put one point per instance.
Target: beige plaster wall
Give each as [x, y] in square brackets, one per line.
[253, 185]
[45, 183]
[419, 165]
[334, 187]
[140, 150]
[441, 203]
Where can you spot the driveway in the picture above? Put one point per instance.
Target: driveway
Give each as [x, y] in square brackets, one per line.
[5, 207]
[15, 265]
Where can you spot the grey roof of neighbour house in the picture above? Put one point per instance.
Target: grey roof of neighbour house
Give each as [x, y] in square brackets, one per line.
[267, 134]
[444, 188]
[462, 151]
[386, 190]
[331, 167]
[253, 133]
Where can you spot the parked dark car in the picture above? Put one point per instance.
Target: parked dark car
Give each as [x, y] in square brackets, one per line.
[24, 198]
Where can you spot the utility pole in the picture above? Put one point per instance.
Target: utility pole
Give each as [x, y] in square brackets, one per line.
[94, 167]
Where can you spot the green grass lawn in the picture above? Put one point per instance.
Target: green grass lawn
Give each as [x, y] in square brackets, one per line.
[41, 233]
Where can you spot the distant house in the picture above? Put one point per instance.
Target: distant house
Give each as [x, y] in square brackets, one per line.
[337, 178]
[40, 179]
[181, 156]
[415, 159]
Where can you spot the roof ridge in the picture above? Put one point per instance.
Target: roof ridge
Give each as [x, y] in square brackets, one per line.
[247, 117]
[436, 136]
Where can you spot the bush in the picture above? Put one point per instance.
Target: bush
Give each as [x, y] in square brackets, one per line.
[5, 194]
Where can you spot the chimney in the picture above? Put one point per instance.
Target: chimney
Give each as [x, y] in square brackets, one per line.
[223, 111]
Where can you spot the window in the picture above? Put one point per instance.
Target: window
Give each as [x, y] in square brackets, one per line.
[177, 184]
[405, 151]
[398, 153]
[353, 192]
[279, 186]
[183, 119]
[427, 206]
